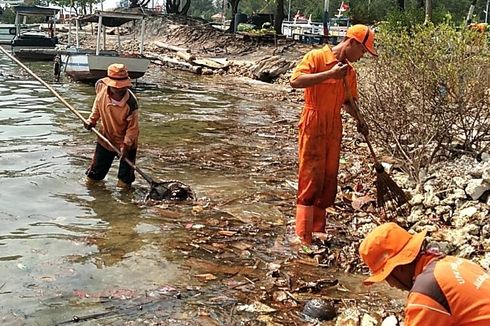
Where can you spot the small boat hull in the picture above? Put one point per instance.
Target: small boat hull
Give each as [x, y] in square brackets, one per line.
[86, 66]
[34, 47]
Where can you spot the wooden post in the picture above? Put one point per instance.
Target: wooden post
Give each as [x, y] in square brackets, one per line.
[76, 34]
[69, 33]
[119, 48]
[142, 35]
[99, 27]
[17, 26]
[105, 36]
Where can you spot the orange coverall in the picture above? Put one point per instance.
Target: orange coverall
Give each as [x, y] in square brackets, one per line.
[320, 135]
[448, 292]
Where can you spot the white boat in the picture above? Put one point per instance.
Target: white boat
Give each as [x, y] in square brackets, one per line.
[8, 31]
[34, 45]
[90, 65]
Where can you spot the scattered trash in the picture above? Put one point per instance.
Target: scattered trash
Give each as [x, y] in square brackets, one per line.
[255, 307]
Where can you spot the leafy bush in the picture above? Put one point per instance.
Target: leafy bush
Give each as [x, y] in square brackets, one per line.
[427, 96]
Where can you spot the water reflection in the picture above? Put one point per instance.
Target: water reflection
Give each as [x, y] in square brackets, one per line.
[61, 237]
[119, 218]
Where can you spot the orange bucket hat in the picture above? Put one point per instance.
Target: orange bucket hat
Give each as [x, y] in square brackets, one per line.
[387, 247]
[363, 35]
[117, 76]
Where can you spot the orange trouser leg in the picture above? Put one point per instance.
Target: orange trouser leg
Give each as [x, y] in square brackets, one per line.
[319, 220]
[304, 222]
[318, 168]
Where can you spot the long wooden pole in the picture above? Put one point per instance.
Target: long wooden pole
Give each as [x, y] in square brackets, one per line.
[358, 113]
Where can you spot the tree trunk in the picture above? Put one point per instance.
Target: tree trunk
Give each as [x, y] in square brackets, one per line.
[428, 12]
[401, 4]
[173, 7]
[234, 10]
[279, 16]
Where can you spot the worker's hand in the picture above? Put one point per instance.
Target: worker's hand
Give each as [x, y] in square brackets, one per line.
[88, 126]
[362, 127]
[124, 151]
[339, 71]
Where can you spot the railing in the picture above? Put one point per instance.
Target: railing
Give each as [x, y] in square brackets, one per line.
[293, 27]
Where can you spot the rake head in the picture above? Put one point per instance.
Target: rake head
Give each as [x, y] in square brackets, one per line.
[390, 196]
[170, 190]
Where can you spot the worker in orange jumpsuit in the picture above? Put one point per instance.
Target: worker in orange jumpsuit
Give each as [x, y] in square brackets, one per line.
[321, 73]
[444, 290]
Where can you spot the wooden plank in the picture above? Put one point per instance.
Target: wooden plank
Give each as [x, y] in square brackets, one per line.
[171, 47]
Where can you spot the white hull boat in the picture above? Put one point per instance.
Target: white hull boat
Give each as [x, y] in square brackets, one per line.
[85, 65]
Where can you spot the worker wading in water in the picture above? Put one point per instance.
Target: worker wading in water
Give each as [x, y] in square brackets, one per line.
[321, 73]
[117, 109]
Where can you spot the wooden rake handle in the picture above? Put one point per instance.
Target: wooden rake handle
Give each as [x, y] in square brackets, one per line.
[354, 107]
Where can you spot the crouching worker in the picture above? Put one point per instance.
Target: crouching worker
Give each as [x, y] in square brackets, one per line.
[444, 290]
[117, 109]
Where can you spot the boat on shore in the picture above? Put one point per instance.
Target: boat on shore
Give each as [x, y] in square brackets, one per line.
[34, 45]
[89, 65]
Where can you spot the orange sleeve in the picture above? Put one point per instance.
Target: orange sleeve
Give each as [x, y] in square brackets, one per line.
[306, 66]
[422, 310]
[353, 84]
[95, 115]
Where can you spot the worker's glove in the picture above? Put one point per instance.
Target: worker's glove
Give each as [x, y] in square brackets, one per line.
[124, 151]
[88, 126]
[363, 128]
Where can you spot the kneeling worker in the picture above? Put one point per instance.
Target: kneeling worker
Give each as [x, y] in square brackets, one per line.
[444, 290]
[117, 109]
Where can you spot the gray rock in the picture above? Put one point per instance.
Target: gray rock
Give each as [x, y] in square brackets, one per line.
[430, 228]
[468, 212]
[443, 209]
[416, 215]
[417, 199]
[459, 182]
[473, 229]
[466, 251]
[390, 321]
[368, 320]
[476, 188]
[485, 261]
[485, 231]
[485, 157]
[349, 317]
[431, 200]
[486, 173]
[320, 309]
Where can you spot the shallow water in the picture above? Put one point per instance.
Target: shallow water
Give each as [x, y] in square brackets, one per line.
[71, 249]
[62, 239]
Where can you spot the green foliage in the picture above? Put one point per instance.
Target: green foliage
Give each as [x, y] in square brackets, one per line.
[252, 6]
[397, 20]
[364, 12]
[8, 16]
[202, 8]
[427, 95]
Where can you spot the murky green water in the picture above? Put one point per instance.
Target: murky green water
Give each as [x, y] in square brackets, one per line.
[61, 241]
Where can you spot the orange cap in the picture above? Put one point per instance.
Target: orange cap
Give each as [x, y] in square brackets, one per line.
[363, 35]
[387, 247]
[117, 76]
